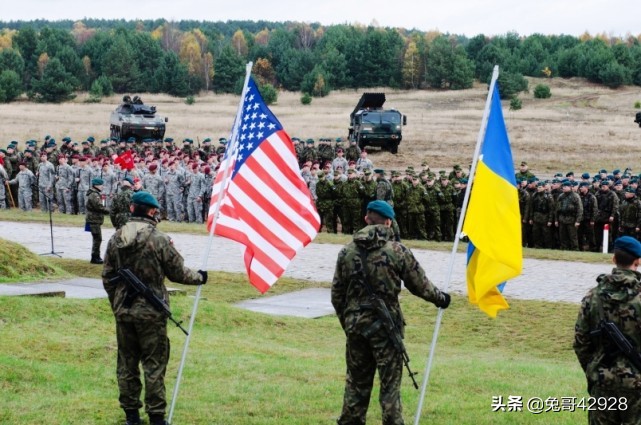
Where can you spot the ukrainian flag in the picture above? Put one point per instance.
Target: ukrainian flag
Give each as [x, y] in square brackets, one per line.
[493, 219]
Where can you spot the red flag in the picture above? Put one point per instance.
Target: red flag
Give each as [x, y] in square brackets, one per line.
[266, 204]
[126, 161]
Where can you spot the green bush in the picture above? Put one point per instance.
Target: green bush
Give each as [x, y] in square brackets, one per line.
[637, 105]
[515, 104]
[105, 85]
[306, 99]
[542, 91]
[269, 93]
[10, 86]
[190, 100]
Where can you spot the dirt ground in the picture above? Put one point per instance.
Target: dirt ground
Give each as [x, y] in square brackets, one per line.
[582, 127]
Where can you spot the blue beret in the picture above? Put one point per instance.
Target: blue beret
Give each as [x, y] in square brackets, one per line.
[570, 173]
[605, 182]
[91, 139]
[379, 171]
[382, 208]
[584, 184]
[567, 183]
[97, 182]
[131, 140]
[585, 175]
[145, 198]
[129, 180]
[618, 182]
[603, 171]
[629, 245]
[616, 172]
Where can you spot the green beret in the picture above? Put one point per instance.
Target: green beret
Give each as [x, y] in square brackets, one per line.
[66, 139]
[86, 142]
[145, 198]
[207, 140]
[379, 171]
[3, 151]
[629, 245]
[128, 180]
[168, 140]
[97, 182]
[382, 208]
[131, 140]
[310, 141]
[630, 189]
[339, 139]
[457, 167]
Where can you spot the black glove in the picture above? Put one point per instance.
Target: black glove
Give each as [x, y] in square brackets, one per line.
[445, 302]
[203, 273]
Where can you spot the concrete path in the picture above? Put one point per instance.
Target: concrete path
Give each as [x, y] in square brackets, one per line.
[541, 279]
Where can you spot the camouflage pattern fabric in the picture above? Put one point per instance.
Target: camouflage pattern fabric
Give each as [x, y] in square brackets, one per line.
[569, 211]
[95, 217]
[141, 330]
[120, 207]
[368, 349]
[608, 372]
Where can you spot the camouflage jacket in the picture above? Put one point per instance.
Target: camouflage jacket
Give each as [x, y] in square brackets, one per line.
[96, 211]
[384, 191]
[154, 184]
[569, 208]
[618, 295]
[590, 208]
[46, 175]
[608, 203]
[120, 207]
[630, 210]
[415, 199]
[150, 255]
[389, 265]
[540, 208]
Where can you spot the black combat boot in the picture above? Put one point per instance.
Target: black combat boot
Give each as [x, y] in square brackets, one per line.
[157, 419]
[96, 260]
[133, 417]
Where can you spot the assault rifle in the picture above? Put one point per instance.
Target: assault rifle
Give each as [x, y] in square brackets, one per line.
[610, 330]
[136, 287]
[385, 318]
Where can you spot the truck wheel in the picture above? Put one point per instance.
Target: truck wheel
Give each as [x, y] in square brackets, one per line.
[362, 144]
[393, 147]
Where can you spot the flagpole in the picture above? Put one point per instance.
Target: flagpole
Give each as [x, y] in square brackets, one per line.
[459, 226]
[206, 252]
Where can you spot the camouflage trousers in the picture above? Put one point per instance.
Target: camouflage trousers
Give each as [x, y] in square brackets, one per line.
[3, 194]
[568, 236]
[416, 225]
[194, 210]
[585, 234]
[143, 342]
[541, 235]
[326, 211]
[626, 407]
[65, 201]
[447, 225]
[363, 357]
[174, 207]
[433, 224]
[45, 198]
[81, 197]
[25, 196]
[96, 240]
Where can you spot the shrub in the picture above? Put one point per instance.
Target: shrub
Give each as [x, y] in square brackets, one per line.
[10, 86]
[190, 100]
[269, 93]
[637, 105]
[306, 99]
[515, 104]
[542, 91]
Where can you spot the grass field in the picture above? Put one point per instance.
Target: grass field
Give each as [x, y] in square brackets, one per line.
[57, 362]
[582, 127]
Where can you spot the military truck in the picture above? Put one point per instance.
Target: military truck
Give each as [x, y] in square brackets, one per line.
[132, 118]
[637, 118]
[371, 125]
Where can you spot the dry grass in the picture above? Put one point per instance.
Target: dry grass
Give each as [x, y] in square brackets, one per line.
[583, 126]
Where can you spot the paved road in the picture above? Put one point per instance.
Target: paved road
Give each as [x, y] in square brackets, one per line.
[541, 279]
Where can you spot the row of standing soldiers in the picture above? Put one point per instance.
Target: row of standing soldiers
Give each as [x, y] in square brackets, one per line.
[426, 207]
[572, 215]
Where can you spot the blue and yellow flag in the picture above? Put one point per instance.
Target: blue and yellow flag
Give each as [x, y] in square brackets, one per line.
[493, 219]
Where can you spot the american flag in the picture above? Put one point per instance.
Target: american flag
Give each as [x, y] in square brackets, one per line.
[266, 204]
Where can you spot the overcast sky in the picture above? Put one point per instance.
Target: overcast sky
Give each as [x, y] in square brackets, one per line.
[469, 17]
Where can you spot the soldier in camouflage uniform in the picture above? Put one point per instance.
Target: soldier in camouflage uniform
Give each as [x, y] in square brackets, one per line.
[608, 204]
[432, 208]
[350, 193]
[153, 183]
[25, 180]
[569, 213]
[416, 209]
[121, 204]
[141, 331]
[83, 182]
[46, 179]
[96, 211]
[609, 373]
[64, 183]
[368, 348]
[630, 212]
[540, 215]
[4, 177]
[585, 232]
[401, 189]
[353, 152]
[325, 199]
[385, 192]
[369, 193]
[446, 207]
[175, 184]
[195, 195]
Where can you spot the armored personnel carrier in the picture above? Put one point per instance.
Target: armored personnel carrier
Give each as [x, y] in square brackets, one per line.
[371, 125]
[132, 118]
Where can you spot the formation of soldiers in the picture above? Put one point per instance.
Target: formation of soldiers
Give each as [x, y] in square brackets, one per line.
[571, 212]
[566, 212]
[57, 177]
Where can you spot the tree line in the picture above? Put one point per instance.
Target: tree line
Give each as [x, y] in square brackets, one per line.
[51, 61]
